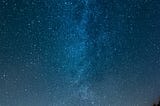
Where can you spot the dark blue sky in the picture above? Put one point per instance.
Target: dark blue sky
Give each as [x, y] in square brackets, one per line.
[79, 52]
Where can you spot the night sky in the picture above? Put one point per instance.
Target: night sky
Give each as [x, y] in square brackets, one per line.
[79, 52]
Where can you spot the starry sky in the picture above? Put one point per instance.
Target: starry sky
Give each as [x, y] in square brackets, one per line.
[79, 52]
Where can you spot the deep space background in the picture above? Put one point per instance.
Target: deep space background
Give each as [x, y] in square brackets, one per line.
[79, 52]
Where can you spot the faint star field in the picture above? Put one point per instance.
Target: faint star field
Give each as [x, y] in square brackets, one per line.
[79, 52]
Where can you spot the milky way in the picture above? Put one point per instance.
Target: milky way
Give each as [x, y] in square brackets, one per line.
[79, 52]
